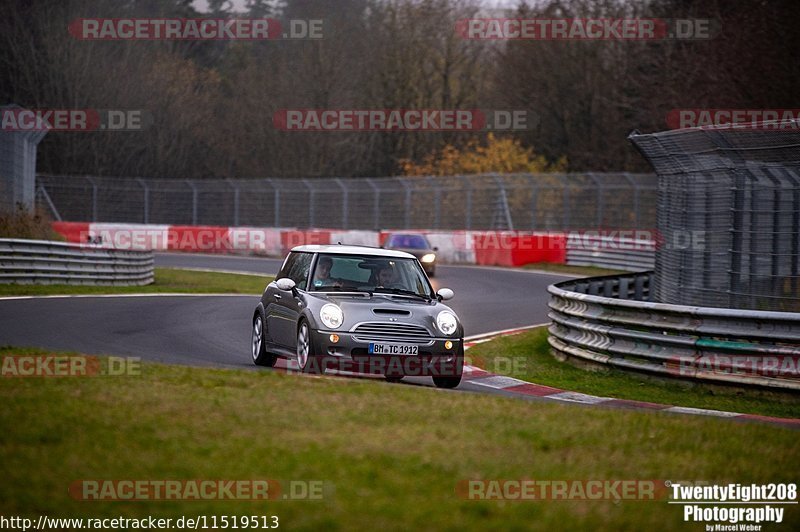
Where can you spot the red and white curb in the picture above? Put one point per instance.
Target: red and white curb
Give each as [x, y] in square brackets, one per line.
[479, 377]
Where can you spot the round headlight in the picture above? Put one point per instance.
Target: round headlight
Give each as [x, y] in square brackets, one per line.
[429, 257]
[331, 315]
[447, 322]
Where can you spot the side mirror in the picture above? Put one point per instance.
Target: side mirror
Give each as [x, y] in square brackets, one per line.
[444, 294]
[285, 284]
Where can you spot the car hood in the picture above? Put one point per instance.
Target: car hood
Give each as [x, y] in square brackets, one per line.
[382, 308]
[382, 300]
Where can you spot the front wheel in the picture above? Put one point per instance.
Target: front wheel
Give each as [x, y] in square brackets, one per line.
[447, 382]
[452, 377]
[307, 360]
[259, 351]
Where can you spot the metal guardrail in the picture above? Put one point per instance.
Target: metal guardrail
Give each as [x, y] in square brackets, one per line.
[613, 253]
[45, 262]
[609, 321]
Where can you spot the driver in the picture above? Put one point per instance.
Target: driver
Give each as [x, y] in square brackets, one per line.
[322, 275]
[387, 277]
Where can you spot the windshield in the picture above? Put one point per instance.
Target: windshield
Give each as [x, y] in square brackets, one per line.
[365, 273]
[408, 242]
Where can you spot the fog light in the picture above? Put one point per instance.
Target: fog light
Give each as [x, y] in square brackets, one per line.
[334, 338]
[448, 345]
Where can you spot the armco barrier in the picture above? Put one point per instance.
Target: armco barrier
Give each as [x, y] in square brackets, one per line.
[45, 262]
[607, 252]
[609, 321]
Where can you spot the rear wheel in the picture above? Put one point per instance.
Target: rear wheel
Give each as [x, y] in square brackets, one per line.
[259, 351]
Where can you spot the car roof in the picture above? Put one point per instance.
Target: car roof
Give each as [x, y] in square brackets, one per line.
[406, 233]
[353, 250]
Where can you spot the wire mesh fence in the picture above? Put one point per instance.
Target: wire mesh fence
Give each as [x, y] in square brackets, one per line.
[521, 201]
[732, 197]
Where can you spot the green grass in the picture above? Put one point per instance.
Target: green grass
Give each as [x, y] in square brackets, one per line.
[527, 356]
[584, 271]
[167, 280]
[390, 455]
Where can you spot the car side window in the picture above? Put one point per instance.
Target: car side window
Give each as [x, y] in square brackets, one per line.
[299, 270]
[296, 268]
[287, 266]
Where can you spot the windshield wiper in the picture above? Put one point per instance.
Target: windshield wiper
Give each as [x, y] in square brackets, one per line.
[343, 290]
[402, 292]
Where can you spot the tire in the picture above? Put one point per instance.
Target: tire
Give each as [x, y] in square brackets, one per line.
[449, 382]
[258, 346]
[307, 359]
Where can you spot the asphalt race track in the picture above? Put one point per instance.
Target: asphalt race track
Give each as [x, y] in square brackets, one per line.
[215, 330]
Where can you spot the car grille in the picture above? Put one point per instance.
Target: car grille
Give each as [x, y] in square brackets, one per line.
[392, 332]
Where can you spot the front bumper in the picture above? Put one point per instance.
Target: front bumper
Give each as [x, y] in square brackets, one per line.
[352, 354]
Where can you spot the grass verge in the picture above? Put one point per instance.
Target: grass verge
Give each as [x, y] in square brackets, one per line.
[167, 280]
[389, 455]
[527, 356]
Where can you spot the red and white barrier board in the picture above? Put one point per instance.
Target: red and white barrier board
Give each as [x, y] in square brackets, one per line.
[500, 248]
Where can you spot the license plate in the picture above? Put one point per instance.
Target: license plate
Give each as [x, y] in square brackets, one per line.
[393, 349]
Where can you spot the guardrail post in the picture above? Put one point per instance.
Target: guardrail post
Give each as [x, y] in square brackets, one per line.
[534, 199]
[376, 207]
[638, 288]
[311, 211]
[146, 203]
[635, 187]
[345, 203]
[407, 213]
[599, 205]
[94, 197]
[437, 201]
[235, 201]
[276, 203]
[502, 214]
[794, 269]
[468, 206]
[50, 205]
[194, 201]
